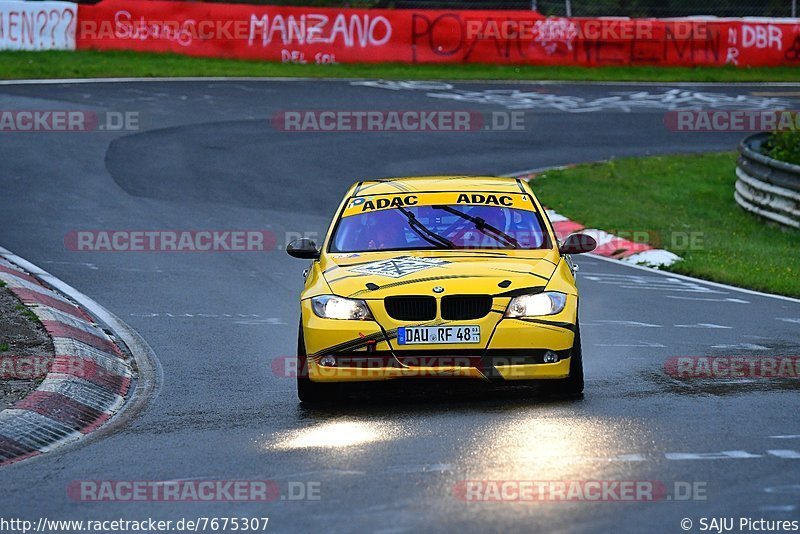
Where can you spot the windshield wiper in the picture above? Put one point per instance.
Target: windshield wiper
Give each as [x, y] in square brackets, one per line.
[483, 227]
[424, 232]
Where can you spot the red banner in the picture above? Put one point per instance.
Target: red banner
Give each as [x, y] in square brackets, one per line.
[323, 35]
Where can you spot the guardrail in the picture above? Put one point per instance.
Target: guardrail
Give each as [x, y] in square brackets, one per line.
[765, 186]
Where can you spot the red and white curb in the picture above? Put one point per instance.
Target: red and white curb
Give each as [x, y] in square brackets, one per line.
[86, 384]
[608, 245]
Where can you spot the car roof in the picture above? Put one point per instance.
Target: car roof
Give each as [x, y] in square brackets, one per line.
[433, 184]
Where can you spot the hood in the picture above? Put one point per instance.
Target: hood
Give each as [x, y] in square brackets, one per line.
[376, 275]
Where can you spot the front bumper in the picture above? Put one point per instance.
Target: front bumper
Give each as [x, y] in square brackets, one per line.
[363, 351]
[540, 371]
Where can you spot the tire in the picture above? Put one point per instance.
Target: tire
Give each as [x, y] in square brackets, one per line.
[307, 391]
[572, 386]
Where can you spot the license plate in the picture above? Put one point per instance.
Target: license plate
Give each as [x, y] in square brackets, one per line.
[432, 335]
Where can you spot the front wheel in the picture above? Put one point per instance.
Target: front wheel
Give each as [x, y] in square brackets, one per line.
[307, 391]
[572, 386]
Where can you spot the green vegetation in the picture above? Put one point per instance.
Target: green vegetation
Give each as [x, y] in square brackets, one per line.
[4, 347]
[784, 145]
[89, 64]
[27, 312]
[685, 205]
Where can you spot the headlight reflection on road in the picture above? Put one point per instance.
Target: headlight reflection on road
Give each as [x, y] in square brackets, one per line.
[336, 434]
[554, 448]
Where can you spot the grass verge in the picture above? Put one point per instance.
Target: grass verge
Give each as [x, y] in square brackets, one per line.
[23, 341]
[685, 204]
[90, 64]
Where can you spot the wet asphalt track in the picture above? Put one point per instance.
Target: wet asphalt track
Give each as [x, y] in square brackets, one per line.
[207, 158]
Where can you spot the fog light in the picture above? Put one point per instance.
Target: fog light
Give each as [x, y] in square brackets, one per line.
[550, 357]
[328, 361]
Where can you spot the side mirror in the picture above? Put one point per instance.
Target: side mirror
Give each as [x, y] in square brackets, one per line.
[578, 244]
[304, 248]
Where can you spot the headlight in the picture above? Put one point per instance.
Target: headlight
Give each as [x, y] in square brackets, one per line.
[548, 303]
[333, 307]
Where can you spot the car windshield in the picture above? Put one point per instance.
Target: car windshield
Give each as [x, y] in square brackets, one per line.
[442, 226]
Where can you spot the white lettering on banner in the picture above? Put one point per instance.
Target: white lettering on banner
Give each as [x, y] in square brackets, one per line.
[37, 25]
[350, 30]
[125, 27]
[551, 33]
[762, 36]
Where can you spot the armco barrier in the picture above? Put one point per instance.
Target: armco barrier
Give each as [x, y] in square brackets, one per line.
[765, 186]
[325, 35]
[37, 25]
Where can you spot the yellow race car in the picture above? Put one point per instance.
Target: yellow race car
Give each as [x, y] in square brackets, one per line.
[447, 276]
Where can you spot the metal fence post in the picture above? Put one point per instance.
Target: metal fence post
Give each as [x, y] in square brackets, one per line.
[568, 5]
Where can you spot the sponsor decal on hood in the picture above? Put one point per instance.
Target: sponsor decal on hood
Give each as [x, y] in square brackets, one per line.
[399, 267]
